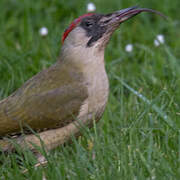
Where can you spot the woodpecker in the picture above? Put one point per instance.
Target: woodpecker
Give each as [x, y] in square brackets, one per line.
[72, 92]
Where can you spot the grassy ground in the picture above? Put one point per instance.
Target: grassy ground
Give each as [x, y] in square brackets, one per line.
[138, 136]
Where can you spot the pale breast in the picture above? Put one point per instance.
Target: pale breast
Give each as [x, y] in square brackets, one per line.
[98, 91]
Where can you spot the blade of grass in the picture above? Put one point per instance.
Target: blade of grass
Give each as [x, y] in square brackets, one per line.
[162, 114]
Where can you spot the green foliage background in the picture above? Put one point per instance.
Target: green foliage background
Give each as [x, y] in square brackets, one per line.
[138, 136]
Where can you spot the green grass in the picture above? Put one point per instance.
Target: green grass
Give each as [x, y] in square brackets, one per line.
[138, 136]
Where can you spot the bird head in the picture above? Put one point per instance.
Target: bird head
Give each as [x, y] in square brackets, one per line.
[91, 32]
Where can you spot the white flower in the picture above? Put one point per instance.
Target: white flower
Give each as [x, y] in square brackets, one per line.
[129, 47]
[159, 40]
[156, 42]
[43, 31]
[91, 7]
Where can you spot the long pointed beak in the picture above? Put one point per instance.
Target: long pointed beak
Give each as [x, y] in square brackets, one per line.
[118, 17]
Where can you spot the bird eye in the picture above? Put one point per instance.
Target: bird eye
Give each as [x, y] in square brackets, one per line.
[88, 24]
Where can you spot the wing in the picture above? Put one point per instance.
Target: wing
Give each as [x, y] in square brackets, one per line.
[50, 99]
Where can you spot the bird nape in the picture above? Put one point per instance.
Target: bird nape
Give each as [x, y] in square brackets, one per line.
[72, 93]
